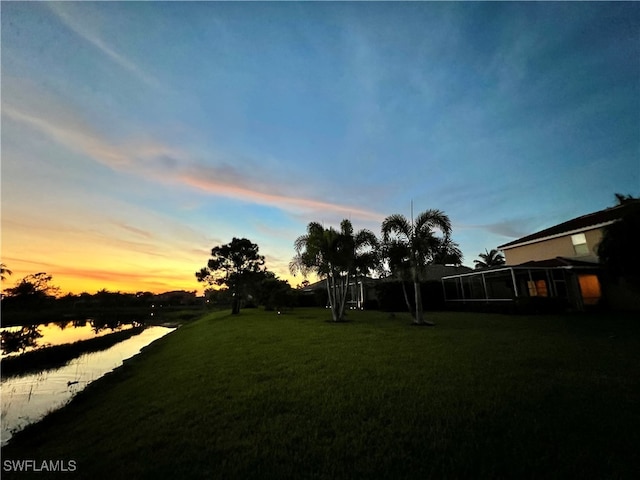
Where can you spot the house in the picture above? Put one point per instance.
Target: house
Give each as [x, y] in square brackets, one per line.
[557, 267]
[365, 291]
[577, 239]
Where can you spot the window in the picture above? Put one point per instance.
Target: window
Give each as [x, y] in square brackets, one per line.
[590, 289]
[579, 242]
[537, 288]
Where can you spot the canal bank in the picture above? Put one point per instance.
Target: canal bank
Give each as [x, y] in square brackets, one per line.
[27, 399]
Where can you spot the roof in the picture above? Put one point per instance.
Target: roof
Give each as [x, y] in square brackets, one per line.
[551, 263]
[558, 262]
[576, 225]
[437, 271]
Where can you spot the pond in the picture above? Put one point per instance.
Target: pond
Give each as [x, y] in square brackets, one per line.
[27, 399]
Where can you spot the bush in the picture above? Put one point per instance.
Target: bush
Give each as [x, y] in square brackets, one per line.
[391, 298]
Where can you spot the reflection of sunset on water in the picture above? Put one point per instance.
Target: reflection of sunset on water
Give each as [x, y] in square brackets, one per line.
[52, 333]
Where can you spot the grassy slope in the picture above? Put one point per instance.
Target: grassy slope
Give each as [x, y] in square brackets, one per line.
[262, 396]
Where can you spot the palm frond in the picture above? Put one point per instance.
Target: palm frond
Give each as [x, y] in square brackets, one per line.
[397, 225]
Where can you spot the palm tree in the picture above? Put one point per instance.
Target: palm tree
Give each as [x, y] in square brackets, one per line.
[493, 258]
[3, 270]
[329, 253]
[396, 257]
[420, 242]
[365, 257]
[447, 252]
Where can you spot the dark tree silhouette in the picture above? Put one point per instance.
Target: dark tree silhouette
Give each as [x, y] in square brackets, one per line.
[420, 243]
[4, 270]
[365, 258]
[492, 258]
[618, 249]
[32, 289]
[331, 255]
[236, 265]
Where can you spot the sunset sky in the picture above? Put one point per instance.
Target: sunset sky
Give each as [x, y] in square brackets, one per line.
[137, 136]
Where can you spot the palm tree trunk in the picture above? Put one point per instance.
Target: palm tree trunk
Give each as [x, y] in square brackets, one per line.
[406, 299]
[418, 299]
[331, 296]
[343, 300]
[419, 320]
[357, 291]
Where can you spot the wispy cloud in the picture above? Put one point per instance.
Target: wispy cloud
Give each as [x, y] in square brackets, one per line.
[60, 10]
[137, 231]
[510, 228]
[78, 139]
[216, 181]
[157, 161]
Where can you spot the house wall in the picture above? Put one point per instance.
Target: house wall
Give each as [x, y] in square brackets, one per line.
[552, 248]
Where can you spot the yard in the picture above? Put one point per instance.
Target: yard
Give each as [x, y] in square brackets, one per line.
[261, 395]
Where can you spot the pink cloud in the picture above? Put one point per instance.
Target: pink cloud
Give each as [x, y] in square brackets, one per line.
[156, 161]
[204, 179]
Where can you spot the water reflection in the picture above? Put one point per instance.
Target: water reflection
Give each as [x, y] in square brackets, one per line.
[27, 399]
[18, 340]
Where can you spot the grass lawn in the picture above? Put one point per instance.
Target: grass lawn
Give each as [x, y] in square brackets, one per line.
[292, 396]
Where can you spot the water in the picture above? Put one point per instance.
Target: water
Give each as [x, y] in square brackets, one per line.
[27, 399]
[16, 340]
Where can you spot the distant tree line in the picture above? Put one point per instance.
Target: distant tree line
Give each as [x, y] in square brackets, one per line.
[35, 299]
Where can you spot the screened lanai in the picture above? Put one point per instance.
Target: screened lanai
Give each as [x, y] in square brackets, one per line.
[577, 284]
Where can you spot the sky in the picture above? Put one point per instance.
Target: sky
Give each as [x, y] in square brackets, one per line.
[137, 136]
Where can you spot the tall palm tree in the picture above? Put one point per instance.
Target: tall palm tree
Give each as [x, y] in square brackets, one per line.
[3, 270]
[492, 258]
[329, 253]
[365, 257]
[396, 257]
[420, 241]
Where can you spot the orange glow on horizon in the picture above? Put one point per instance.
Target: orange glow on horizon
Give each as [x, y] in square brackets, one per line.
[76, 281]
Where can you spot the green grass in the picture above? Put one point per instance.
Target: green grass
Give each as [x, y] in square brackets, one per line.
[292, 396]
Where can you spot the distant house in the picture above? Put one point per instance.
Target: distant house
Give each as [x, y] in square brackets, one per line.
[555, 266]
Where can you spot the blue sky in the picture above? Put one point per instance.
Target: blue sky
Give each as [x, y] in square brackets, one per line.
[137, 136]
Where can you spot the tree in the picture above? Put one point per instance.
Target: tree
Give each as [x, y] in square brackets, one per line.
[32, 291]
[493, 258]
[35, 285]
[4, 270]
[618, 250]
[330, 254]
[236, 266]
[447, 252]
[274, 293]
[365, 257]
[622, 199]
[416, 244]
[396, 255]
